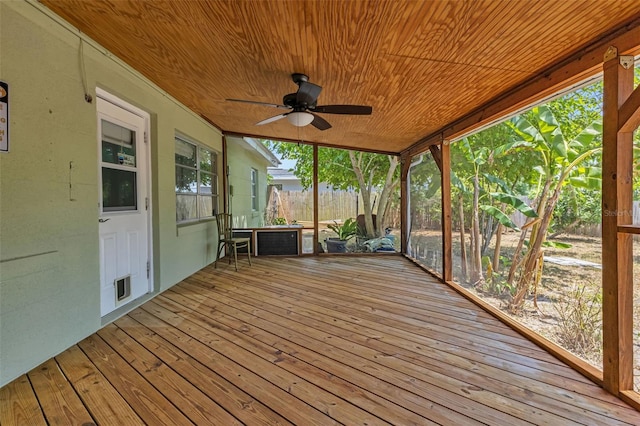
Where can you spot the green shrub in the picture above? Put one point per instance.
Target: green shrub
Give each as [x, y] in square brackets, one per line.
[346, 231]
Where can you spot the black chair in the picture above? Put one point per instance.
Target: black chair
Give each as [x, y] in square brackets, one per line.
[225, 238]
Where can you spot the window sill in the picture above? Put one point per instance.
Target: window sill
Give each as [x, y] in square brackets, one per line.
[184, 228]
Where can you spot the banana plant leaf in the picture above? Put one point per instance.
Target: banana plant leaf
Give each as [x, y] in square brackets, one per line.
[500, 216]
[515, 202]
[556, 244]
[552, 244]
[588, 134]
[586, 182]
[496, 180]
[457, 183]
[510, 146]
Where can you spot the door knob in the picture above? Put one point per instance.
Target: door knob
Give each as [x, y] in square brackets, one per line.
[102, 220]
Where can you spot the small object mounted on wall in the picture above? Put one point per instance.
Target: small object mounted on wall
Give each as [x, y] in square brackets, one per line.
[4, 116]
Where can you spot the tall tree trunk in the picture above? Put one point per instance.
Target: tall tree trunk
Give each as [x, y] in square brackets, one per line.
[541, 201]
[385, 196]
[496, 251]
[389, 206]
[516, 255]
[365, 191]
[535, 246]
[476, 257]
[463, 248]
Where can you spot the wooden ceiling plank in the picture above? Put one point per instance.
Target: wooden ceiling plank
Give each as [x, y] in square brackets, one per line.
[421, 65]
[572, 70]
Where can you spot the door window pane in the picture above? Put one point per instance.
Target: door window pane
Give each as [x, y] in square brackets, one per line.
[118, 144]
[119, 190]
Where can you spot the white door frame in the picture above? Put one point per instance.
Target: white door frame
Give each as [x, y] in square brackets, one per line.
[101, 93]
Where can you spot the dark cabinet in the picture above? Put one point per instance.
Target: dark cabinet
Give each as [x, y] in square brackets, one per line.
[277, 243]
[273, 241]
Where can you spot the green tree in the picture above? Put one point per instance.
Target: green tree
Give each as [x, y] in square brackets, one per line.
[346, 169]
[562, 161]
[484, 186]
[578, 109]
[577, 205]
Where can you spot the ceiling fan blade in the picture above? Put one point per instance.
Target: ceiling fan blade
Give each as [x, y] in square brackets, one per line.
[320, 123]
[259, 103]
[272, 119]
[344, 109]
[308, 93]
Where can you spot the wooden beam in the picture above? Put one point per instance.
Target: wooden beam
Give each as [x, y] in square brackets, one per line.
[629, 229]
[632, 398]
[445, 172]
[315, 200]
[405, 164]
[436, 153]
[320, 144]
[225, 176]
[572, 70]
[629, 117]
[617, 185]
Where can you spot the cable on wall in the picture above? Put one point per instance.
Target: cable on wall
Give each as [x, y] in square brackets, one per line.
[83, 72]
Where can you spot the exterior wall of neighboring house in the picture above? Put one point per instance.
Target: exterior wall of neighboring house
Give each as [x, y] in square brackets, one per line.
[49, 186]
[243, 155]
[287, 181]
[284, 180]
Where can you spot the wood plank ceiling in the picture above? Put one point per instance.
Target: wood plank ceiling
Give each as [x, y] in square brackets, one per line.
[420, 64]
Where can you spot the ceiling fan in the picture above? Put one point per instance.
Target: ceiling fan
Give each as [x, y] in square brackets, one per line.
[303, 106]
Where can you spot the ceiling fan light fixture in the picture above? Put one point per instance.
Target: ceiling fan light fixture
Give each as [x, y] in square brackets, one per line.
[300, 118]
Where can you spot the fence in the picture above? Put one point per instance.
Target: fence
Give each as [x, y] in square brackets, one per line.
[429, 218]
[589, 229]
[332, 205]
[340, 205]
[298, 205]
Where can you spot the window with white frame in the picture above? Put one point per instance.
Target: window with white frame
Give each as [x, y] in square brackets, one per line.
[196, 181]
[254, 190]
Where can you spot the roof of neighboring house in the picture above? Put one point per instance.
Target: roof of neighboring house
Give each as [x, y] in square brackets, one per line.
[281, 174]
[253, 144]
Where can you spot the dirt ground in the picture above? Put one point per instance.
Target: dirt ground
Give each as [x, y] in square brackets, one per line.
[560, 305]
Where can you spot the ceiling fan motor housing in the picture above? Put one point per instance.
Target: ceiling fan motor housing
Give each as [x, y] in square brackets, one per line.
[291, 100]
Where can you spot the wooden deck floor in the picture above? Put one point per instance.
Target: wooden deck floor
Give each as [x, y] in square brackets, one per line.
[340, 340]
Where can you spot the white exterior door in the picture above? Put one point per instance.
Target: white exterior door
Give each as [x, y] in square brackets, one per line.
[124, 214]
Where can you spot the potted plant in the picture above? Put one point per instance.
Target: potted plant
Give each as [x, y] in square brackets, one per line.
[345, 232]
[279, 221]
